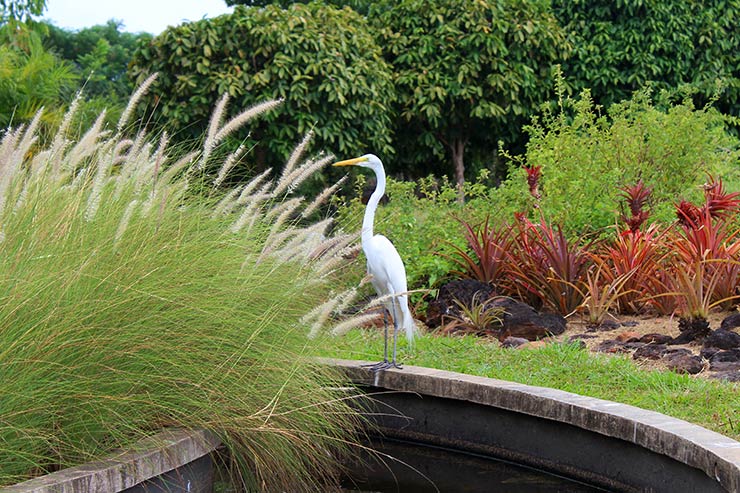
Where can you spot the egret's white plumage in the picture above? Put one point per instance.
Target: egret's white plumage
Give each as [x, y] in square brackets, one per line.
[384, 264]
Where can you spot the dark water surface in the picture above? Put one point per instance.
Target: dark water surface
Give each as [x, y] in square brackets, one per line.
[415, 468]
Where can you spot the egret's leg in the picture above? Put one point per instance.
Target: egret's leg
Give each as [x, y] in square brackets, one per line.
[385, 335]
[393, 363]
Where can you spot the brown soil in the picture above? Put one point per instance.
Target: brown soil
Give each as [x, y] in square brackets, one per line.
[641, 326]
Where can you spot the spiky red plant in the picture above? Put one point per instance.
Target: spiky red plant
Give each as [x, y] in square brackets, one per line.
[688, 214]
[547, 267]
[719, 203]
[490, 249]
[642, 253]
[636, 196]
[534, 173]
[711, 243]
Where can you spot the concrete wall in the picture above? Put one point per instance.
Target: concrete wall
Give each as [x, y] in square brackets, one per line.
[604, 443]
[172, 461]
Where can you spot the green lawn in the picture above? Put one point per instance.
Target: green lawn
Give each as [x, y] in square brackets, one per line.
[709, 403]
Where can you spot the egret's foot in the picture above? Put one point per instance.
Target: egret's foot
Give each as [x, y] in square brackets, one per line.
[377, 366]
[383, 365]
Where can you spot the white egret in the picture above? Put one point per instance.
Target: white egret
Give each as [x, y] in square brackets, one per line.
[384, 265]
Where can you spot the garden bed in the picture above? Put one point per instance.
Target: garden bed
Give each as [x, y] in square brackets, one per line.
[647, 340]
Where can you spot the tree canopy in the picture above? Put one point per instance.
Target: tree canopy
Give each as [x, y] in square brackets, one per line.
[20, 10]
[357, 5]
[467, 71]
[100, 54]
[620, 47]
[324, 62]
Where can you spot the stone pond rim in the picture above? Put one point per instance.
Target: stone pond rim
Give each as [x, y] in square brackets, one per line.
[604, 443]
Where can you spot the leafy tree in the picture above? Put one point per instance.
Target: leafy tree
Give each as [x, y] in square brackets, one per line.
[467, 71]
[622, 46]
[20, 10]
[100, 54]
[31, 78]
[361, 6]
[323, 61]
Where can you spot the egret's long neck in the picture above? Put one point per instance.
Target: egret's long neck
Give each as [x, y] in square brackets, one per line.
[372, 204]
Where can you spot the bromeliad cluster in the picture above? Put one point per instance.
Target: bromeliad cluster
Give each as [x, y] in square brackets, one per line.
[685, 268]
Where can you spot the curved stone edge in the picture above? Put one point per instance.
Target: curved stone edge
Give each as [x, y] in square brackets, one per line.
[147, 459]
[715, 454]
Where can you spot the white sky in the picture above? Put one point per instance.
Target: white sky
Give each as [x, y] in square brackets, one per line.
[151, 16]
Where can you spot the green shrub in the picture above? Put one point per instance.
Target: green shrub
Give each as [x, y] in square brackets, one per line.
[467, 75]
[621, 47]
[586, 157]
[128, 304]
[324, 62]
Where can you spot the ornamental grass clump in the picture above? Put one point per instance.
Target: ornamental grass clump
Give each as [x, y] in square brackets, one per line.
[135, 294]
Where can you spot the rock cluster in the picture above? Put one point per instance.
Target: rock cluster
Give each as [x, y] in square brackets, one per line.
[514, 318]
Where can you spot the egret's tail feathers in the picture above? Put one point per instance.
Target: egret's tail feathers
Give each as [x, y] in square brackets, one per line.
[408, 324]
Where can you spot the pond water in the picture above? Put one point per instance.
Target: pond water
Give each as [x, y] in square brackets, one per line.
[403, 467]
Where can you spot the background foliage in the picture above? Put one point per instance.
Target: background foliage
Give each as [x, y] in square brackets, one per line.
[586, 156]
[323, 61]
[465, 73]
[619, 47]
[100, 55]
[30, 78]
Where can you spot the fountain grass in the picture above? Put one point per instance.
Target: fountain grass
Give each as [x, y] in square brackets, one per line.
[135, 294]
[709, 403]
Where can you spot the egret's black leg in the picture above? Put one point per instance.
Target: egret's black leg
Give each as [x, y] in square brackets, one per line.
[393, 363]
[385, 364]
[385, 335]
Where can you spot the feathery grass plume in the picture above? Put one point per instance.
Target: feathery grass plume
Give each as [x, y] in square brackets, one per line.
[125, 219]
[253, 202]
[179, 165]
[277, 235]
[345, 326]
[230, 162]
[300, 174]
[339, 245]
[299, 243]
[86, 146]
[283, 211]
[160, 155]
[135, 98]
[252, 185]
[338, 257]
[227, 204]
[272, 245]
[295, 156]
[321, 314]
[214, 124]
[305, 241]
[60, 137]
[7, 146]
[29, 136]
[10, 164]
[106, 308]
[321, 197]
[101, 179]
[245, 116]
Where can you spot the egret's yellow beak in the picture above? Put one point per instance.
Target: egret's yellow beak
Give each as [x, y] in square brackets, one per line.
[351, 162]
